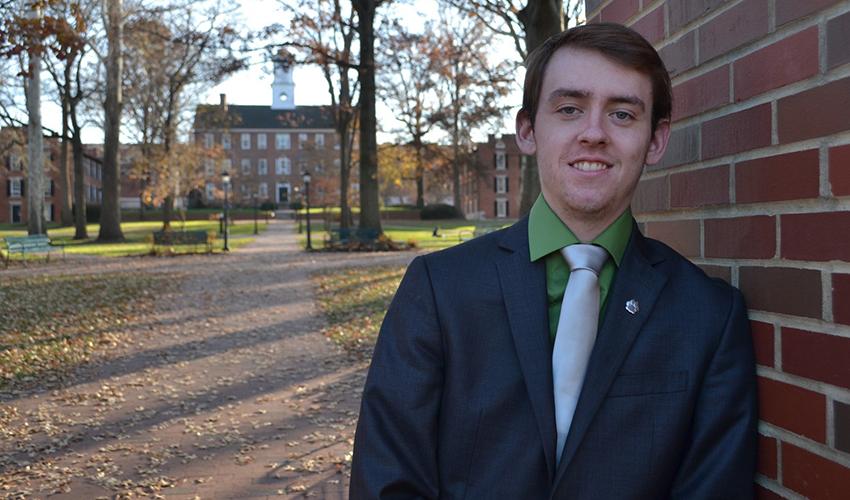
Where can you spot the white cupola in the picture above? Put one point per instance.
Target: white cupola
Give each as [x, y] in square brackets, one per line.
[283, 88]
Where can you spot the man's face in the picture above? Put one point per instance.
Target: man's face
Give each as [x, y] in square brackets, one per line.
[592, 135]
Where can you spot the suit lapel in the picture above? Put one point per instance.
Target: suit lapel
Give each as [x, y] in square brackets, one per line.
[636, 279]
[523, 286]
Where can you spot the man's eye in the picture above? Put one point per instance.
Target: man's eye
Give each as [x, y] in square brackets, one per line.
[622, 115]
[568, 110]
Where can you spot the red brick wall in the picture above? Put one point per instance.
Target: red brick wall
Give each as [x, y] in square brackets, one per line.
[755, 188]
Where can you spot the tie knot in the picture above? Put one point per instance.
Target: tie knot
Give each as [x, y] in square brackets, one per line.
[581, 256]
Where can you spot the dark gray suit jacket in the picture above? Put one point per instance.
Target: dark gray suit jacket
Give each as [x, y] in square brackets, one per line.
[458, 401]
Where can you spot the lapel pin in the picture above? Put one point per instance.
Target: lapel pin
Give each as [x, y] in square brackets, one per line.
[632, 306]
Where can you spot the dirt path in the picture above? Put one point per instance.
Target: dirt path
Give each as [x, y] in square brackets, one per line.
[228, 391]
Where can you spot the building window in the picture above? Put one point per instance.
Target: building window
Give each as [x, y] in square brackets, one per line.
[245, 140]
[209, 167]
[263, 191]
[320, 166]
[48, 188]
[501, 164]
[302, 140]
[281, 141]
[48, 212]
[226, 165]
[225, 141]
[336, 163]
[282, 166]
[262, 166]
[501, 208]
[244, 190]
[501, 184]
[16, 187]
[246, 166]
[261, 141]
[320, 141]
[209, 140]
[210, 190]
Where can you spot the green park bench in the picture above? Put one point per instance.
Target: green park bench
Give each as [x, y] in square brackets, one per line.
[29, 245]
[194, 238]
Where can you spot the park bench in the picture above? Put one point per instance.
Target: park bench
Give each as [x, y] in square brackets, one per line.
[172, 238]
[32, 244]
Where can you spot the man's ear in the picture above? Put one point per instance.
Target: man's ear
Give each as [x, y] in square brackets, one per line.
[525, 133]
[658, 142]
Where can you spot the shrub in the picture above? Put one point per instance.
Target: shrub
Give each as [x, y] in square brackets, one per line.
[268, 205]
[440, 211]
[296, 205]
[92, 214]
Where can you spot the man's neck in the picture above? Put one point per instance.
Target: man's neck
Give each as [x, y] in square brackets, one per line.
[584, 227]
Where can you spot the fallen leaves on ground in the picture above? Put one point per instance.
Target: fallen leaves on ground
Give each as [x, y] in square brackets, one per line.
[354, 301]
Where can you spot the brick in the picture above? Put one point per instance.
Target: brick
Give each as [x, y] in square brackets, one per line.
[793, 408]
[682, 235]
[790, 10]
[682, 148]
[816, 356]
[814, 113]
[741, 237]
[683, 12]
[737, 132]
[702, 93]
[839, 170]
[619, 11]
[722, 272]
[763, 493]
[767, 457]
[789, 60]
[791, 176]
[838, 41]
[651, 26]
[783, 290]
[818, 236]
[652, 195]
[709, 186]
[841, 414]
[841, 298]
[763, 342]
[737, 26]
[680, 55]
[812, 475]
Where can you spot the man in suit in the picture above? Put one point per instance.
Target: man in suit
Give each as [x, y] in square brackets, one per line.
[460, 400]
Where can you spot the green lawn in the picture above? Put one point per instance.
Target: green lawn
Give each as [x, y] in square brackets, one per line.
[138, 237]
[419, 233]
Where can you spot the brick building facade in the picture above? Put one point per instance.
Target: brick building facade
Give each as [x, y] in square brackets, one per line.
[755, 188]
[491, 185]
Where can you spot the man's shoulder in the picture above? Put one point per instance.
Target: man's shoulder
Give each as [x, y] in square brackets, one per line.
[682, 271]
[483, 248]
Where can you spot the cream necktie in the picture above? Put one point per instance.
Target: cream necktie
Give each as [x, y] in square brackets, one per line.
[576, 332]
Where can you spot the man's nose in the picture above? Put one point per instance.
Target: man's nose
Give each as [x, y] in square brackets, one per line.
[594, 131]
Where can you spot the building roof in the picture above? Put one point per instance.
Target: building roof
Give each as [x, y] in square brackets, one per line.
[234, 116]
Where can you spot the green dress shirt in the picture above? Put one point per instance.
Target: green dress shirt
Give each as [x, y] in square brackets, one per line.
[547, 234]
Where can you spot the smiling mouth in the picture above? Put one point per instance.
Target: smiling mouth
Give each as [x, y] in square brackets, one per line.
[589, 166]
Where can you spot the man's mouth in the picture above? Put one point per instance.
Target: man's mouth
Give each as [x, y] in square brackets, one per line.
[589, 166]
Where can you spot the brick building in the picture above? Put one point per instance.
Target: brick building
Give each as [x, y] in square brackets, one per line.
[491, 186]
[265, 149]
[755, 188]
[13, 175]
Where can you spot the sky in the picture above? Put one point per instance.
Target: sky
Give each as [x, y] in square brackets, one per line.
[253, 86]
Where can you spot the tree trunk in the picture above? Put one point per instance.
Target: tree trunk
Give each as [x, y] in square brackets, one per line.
[540, 19]
[420, 175]
[370, 210]
[65, 176]
[35, 148]
[456, 175]
[80, 232]
[167, 212]
[110, 210]
[345, 218]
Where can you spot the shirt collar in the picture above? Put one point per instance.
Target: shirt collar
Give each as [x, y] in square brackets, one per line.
[547, 233]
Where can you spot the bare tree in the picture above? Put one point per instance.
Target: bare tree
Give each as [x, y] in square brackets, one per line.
[468, 87]
[528, 23]
[324, 33]
[409, 83]
[110, 214]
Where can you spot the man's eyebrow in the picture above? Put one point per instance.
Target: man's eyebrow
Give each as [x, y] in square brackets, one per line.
[584, 94]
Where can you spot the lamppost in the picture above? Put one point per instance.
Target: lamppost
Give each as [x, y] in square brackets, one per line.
[254, 199]
[306, 177]
[225, 179]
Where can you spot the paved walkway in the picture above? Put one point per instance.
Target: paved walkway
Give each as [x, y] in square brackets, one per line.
[229, 391]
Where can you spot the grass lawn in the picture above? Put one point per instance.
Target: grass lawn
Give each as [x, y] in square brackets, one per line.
[354, 301]
[138, 237]
[420, 233]
[54, 323]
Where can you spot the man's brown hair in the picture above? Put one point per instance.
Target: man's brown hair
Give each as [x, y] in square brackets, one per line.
[614, 41]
